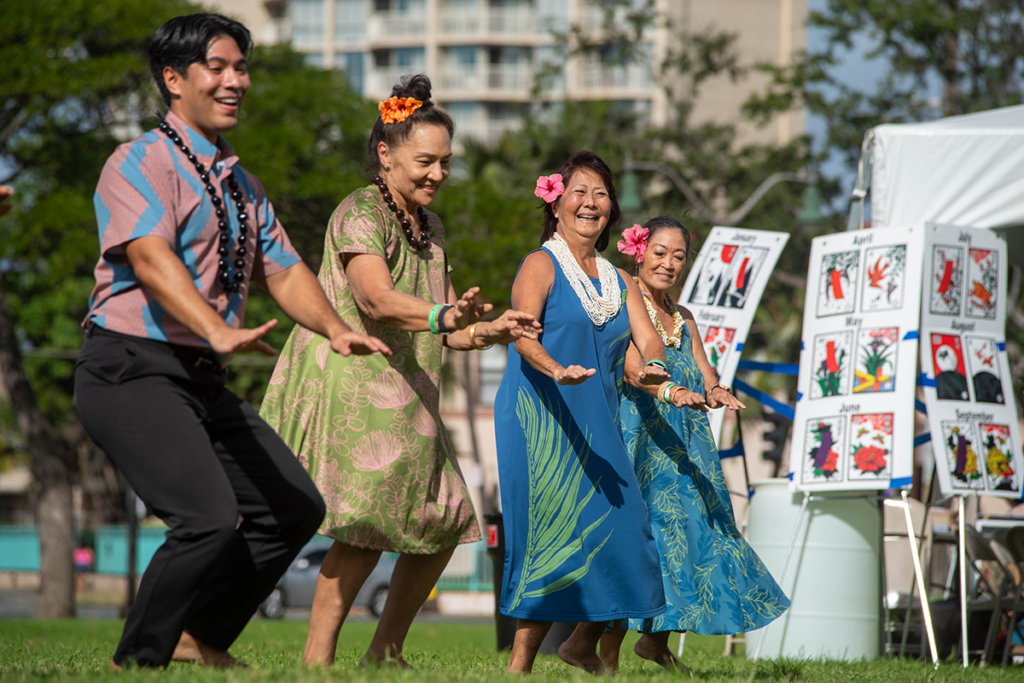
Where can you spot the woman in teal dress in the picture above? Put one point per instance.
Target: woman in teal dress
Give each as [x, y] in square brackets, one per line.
[578, 546]
[714, 582]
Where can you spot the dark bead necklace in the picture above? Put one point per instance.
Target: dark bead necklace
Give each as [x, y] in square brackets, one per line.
[230, 282]
[424, 241]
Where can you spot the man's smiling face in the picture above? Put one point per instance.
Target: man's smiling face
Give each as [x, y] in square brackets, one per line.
[209, 97]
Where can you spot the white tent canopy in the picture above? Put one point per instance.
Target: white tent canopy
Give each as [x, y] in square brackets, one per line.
[962, 170]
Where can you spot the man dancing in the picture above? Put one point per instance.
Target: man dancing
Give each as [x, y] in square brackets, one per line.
[184, 230]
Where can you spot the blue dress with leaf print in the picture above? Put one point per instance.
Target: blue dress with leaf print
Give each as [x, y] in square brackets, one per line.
[578, 545]
[714, 581]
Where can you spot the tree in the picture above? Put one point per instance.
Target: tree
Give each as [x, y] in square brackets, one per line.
[941, 58]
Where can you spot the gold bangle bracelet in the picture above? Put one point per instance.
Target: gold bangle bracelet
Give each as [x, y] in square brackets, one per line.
[472, 338]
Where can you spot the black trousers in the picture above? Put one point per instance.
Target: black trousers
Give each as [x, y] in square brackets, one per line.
[199, 457]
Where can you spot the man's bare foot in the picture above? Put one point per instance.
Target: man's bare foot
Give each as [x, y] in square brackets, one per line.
[190, 649]
[581, 658]
[646, 648]
[372, 660]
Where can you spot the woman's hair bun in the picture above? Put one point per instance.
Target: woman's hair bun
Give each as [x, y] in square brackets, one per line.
[416, 86]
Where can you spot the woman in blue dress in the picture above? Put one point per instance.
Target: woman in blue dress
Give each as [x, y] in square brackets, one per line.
[578, 543]
[714, 582]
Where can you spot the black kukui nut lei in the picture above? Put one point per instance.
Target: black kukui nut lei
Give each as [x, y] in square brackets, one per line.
[230, 282]
[424, 241]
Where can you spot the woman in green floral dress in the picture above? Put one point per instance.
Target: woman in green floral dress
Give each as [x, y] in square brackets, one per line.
[367, 429]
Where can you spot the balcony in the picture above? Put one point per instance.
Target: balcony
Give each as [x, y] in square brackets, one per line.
[602, 77]
[489, 20]
[483, 130]
[380, 80]
[391, 24]
[484, 78]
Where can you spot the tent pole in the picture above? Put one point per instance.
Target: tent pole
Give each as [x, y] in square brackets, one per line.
[962, 552]
[926, 611]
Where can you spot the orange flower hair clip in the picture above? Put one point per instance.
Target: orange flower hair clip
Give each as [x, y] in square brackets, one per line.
[396, 110]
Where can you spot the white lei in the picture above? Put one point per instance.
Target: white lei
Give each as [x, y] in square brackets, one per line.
[599, 307]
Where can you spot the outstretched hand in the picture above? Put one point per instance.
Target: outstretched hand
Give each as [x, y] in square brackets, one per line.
[469, 309]
[574, 374]
[508, 327]
[652, 375]
[229, 340]
[684, 398]
[719, 397]
[353, 343]
[5, 193]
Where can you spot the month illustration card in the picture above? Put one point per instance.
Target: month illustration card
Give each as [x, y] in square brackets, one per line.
[723, 290]
[870, 447]
[972, 414]
[855, 401]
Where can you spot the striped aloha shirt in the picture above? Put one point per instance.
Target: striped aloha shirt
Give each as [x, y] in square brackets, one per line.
[149, 188]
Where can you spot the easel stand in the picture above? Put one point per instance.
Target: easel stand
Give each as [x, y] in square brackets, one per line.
[962, 555]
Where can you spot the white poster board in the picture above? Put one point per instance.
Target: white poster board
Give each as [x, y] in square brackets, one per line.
[854, 423]
[968, 390]
[723, 290]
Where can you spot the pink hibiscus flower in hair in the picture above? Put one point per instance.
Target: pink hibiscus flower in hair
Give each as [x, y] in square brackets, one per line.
[634, 241]
[549, 187]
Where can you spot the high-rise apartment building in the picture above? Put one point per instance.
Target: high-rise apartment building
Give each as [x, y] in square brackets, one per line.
[482, 55]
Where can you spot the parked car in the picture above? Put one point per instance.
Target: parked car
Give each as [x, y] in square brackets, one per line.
[296, 586]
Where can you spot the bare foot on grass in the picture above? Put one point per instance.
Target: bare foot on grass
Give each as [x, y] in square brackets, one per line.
[582, 658]
[190, 649]
[647, 648]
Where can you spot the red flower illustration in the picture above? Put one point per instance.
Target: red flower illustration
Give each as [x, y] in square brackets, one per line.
[829, 465]
[869, 459]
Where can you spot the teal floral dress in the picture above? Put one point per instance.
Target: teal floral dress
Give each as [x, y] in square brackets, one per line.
[714, 581]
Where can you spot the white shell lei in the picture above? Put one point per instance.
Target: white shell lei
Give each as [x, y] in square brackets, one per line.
[602, 307]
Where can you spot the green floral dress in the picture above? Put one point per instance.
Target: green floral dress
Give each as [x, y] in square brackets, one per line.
[367, 428]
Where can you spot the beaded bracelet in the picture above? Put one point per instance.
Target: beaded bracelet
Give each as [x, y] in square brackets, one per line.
[658, 363]
[432, 318]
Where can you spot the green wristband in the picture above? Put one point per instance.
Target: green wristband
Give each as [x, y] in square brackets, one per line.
[659, 363]
[432, 318]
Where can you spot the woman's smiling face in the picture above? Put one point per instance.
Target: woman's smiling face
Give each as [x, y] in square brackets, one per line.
[585, 206]
[664, 260]
[417, 168]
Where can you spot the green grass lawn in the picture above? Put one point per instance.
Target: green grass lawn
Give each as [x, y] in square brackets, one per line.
[80, 650]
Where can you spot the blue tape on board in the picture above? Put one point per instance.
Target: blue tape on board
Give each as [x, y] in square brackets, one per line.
[922, 439]
[924, 380]
[777, 368]
[739, 346]
[799, 395]
[1001, 345]
[920, 407]
[734, 452]
[801, 344]
[791, 476]
[901, 482]
[758, 395]
[912, 334]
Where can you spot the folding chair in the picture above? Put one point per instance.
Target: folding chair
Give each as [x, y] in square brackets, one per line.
[1013, 541]
[986, 590]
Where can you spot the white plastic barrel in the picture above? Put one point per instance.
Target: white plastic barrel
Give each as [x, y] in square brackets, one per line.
[833, 575]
